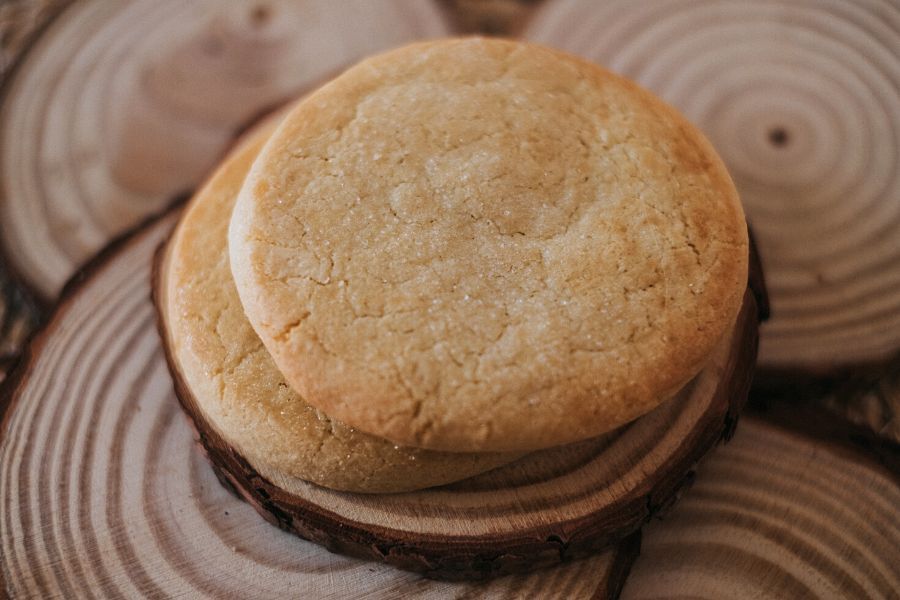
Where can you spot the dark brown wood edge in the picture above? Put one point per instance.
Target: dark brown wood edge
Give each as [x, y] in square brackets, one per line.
[477, 557]
[17, 310]
[757, 278]
[43, 303]
[451, 18]
[784, 377]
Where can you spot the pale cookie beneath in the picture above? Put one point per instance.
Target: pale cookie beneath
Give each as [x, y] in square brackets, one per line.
[487, 245]
[236, 387]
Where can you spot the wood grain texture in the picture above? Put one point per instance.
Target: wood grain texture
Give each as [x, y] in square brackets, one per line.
[119, 106]
[103, 491]
[777, 514]
[20, 21]
[802, 100]
[83, 529]
[112, 499]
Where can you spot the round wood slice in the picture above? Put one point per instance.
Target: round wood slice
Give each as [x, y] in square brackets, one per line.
[103, 491]
[117, 107]
[100, 485]
[777, 514]
[802, 100]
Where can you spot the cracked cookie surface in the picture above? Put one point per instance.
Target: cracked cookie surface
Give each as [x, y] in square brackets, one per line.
[487, 245]
[237, 387]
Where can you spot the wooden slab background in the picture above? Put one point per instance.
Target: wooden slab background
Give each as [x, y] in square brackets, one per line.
[102, 491]
[870, 394]
[117, 107]
[801, 98]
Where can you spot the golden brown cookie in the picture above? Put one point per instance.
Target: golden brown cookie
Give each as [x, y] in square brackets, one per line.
[487, 245]
[235, 385]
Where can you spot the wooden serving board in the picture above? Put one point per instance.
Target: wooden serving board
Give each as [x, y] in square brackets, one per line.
[548, 507]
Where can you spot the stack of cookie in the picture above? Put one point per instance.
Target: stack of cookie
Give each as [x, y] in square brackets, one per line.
[451, 256]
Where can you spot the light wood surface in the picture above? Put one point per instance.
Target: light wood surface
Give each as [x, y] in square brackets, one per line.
[802, 100]
[777, 514]
[20, 22]
[117, 107]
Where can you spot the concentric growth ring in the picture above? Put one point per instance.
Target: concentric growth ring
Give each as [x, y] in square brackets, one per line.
[760, 522]
[802, 100]
[118, 107]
